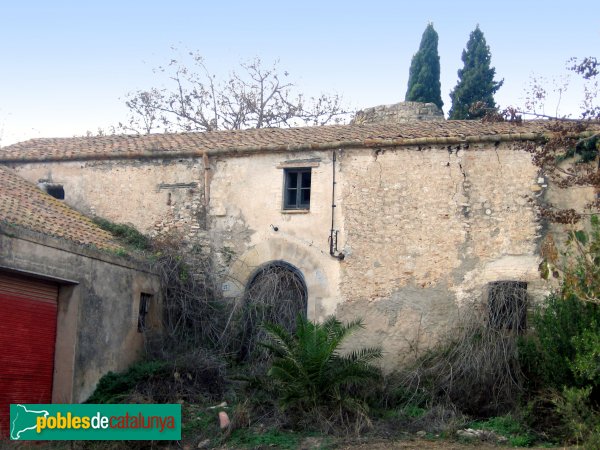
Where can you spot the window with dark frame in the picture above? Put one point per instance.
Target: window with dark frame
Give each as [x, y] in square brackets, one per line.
[143, 312]
[297, 189]
[507, 305]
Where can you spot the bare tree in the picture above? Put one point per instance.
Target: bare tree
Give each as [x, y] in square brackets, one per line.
[542, 94]
[569, 155]
[253, 97]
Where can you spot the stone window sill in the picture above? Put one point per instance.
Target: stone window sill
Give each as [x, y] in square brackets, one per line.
[295, 211]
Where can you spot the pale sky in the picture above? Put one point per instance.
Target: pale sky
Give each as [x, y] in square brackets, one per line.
[66, 66]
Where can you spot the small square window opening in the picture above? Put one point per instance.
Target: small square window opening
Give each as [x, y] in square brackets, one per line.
[297, 188]
[507, 304]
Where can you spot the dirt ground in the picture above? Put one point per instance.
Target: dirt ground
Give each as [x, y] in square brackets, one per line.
[417, 444]
[407, 444]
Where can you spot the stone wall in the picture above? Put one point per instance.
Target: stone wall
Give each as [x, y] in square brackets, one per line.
[399, 113]
[155, 196]
[423, 229]
[249, 227]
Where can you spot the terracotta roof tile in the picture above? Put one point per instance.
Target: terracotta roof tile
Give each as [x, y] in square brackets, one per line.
[25, 205]
[290, 139]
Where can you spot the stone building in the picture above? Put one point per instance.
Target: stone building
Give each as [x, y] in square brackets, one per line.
[70, 307]
[400, 224]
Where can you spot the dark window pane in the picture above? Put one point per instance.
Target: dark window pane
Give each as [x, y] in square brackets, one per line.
[305, 197]
[292, 180]
[297, 189]
[290, 198]
[305, 179]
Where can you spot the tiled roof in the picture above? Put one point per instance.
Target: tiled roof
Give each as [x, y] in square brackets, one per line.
[269, 139]
[24, 205]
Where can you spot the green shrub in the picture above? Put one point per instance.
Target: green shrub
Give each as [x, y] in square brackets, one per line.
[586, 364]
[562, 356]
[564, 350]
[314, 378]
[192, 377]
[113, 387]
[510, 427]
[566, 329]
[581, 421]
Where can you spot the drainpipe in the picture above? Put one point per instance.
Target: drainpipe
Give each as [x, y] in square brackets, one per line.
[333, 234]
[206, 179]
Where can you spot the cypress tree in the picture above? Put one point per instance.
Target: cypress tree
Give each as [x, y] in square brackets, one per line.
[424, 76]
[475, 80]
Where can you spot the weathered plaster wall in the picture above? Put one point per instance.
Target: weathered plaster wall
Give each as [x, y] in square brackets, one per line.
[248, 226]
[155, 196]
[425, 230]
[97, 309]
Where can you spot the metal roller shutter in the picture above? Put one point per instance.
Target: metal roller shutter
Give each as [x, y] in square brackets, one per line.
[28, 308]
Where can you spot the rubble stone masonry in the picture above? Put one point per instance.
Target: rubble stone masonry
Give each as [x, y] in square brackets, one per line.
[423, 229]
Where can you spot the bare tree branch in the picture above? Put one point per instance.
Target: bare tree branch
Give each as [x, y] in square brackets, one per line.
[254, 97]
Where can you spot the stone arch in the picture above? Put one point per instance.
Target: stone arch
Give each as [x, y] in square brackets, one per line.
[319, 272]
[289, 275]
[276, 293]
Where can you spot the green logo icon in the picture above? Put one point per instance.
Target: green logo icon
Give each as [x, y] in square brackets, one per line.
[95, 422]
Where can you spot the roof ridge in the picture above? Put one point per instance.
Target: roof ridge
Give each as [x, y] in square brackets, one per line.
[186, 144]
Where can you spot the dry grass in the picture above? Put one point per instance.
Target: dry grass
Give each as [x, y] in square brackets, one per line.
[478, 369]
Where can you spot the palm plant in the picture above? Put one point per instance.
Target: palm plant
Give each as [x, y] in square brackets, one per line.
[314, 377]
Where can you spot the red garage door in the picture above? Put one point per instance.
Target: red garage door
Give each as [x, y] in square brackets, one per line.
[27, 337]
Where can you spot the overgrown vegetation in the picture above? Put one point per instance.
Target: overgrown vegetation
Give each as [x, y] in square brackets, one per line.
[562, 357]
[476, 371]
[126, 233]
[314, 380]
[193, 315]
[207, 352]
[491, 376]
[275, 295]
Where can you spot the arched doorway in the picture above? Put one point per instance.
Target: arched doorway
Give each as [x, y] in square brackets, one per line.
[275, 293]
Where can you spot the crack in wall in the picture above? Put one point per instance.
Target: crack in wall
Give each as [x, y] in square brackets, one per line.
[498, 158]
[449, 165]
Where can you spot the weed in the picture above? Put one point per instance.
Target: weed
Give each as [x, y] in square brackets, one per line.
[126, 233]
[581, 420]
[199, 423]
[509, 427]
[121, 252]
[414, 412]
[249, 438]
[228, 254]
